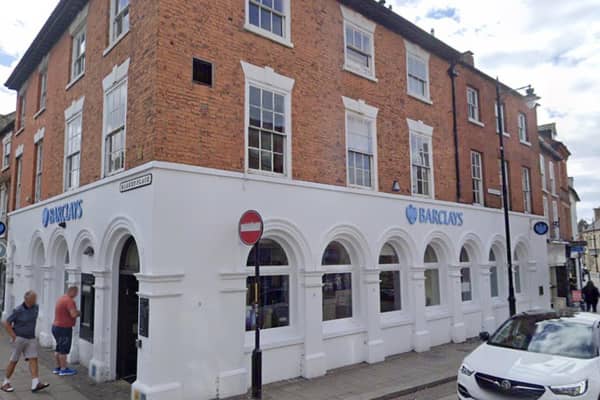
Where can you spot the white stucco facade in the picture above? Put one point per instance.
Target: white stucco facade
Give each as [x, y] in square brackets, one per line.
[193, 271]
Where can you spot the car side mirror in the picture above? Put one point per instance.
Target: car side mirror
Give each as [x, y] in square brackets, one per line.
[484, 336]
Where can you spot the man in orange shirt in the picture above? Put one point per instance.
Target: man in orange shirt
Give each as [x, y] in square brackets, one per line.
[65, 316]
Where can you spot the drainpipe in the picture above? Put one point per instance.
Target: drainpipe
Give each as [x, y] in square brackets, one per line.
[453, 73]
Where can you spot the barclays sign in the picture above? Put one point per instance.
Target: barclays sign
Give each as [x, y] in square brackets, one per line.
[433, 216]
[63, 213]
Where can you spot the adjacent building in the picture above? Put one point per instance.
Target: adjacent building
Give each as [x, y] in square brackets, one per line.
[369, 146]
[590, 233]
[7, 123]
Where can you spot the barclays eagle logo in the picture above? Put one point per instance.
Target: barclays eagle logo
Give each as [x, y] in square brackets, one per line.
[412, 214]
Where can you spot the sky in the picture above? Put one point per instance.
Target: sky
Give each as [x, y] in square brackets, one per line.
[554, 45]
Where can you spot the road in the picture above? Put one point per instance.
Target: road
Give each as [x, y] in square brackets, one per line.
[442, 392]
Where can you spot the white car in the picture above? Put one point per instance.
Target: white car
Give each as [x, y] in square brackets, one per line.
[536, 355]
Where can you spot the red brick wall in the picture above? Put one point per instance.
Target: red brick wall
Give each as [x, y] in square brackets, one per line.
[172, 119]
[139, 45]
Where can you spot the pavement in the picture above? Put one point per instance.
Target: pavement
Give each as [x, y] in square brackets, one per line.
[78, 387]
[406, 376]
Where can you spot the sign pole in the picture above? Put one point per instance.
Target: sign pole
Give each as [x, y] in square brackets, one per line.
[257, 353]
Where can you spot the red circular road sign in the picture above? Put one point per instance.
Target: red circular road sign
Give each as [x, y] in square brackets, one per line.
[251, 228]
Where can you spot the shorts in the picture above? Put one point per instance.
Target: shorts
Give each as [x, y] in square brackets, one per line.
[63, 337]
[27, 347]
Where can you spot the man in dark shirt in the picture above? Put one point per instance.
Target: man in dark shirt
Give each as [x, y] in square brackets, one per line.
[20, 326]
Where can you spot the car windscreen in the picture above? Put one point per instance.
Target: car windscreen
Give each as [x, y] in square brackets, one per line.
[558, 336]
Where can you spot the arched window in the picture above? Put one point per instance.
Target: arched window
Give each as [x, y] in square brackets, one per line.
[517, 273]
[337, 283]
[432, 278]
[274, 299]
[390, 293]
[494, 289]
[130, 258]
[466, 282]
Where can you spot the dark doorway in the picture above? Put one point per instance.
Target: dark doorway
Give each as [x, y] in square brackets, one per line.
[127, 325]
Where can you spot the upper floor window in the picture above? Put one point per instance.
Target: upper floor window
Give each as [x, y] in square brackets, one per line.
[526, 177]
[502, 118]
[555, 220]
[43, 89]
[268, 124]
[3, 201]
[78, 55]
[546, 208]
[270, 18]
[115, 118]
[360, 142]
[543, 172]
[73, 133]
[507, 174]
[477, 177]
[473, 104]
[22, 110]
[19, 181]
[552, 173]
[39, 153]
[417, 66]
[523, 135]
[421, 158]
[6, 142]
[119, 19]
[359, 50]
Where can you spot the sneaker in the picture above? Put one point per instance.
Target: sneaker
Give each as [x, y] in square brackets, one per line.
[7, 387]
[67, 372]
[40, 386]
[56, 371]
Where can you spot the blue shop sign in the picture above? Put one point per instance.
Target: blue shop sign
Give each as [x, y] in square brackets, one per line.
[433, 216]
[541, 228]
[63, 213]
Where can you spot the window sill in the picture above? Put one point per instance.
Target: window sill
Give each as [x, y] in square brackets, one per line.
[476, 122]
[341, 327]
[395, 319]
[267, 174]
[360, 73]
[114, 43]
[5, 168]
[113, 173]
[75, 80]
[18, 132]
[359, 187]
[506, 134]
[422, 196]
[497, 303]
[469, 307]
[525, 143]
[272, 339]
[268, 35]
[434, 313]
[40, 112]
[421, 98]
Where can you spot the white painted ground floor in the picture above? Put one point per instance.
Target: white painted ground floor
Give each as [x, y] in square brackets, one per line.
[349, 276]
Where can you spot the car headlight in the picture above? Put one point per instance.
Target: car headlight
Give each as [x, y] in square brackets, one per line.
[465, 370]
[577, 389]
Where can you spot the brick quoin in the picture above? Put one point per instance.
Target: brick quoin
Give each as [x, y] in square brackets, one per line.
[169, 118]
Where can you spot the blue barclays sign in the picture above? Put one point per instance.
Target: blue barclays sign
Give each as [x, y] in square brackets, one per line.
[433, 216]
[63, 213]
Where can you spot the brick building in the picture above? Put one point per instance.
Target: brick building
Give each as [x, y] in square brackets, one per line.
[369, 146]
[7, 123]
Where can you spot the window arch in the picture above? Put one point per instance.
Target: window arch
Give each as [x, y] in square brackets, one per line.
[432, 278]
[274, 287]
[337, 282]
[494, 286]
[466, 280]
[390, 289]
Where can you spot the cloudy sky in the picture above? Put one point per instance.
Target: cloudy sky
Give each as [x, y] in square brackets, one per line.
[552, 44]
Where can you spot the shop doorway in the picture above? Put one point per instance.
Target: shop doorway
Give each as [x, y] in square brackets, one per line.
[127, 325]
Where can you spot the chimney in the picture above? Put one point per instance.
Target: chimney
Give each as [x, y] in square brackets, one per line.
[468, 58]
[596, 214]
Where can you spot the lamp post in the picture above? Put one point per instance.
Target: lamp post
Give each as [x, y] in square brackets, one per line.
[531, 99]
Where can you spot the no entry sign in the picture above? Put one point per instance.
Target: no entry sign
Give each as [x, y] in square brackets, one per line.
[251, 228]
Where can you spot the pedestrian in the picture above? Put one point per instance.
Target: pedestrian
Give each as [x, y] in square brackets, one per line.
[590, 296]
[20, 326]
[65, 316]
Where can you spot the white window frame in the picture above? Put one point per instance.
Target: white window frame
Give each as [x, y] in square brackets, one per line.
[359, 109]
[3, 201]
[39, 162]
[526, 181]
[266, 78]
[75, 76]
[507, 172]
[114, 39]
[552, 174]
[543, 173]
[476, 155]
[6, 147]
[523, 134]
[391, 316]
[72, 113]
[19, 180]
[286, 40]
[114, 81]
[546, 209]
[555, 220]
[43, 90]
[473, 93]
[503, 114]
[412, 50]
[366, 27]
[22, 110]
[425, 131]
